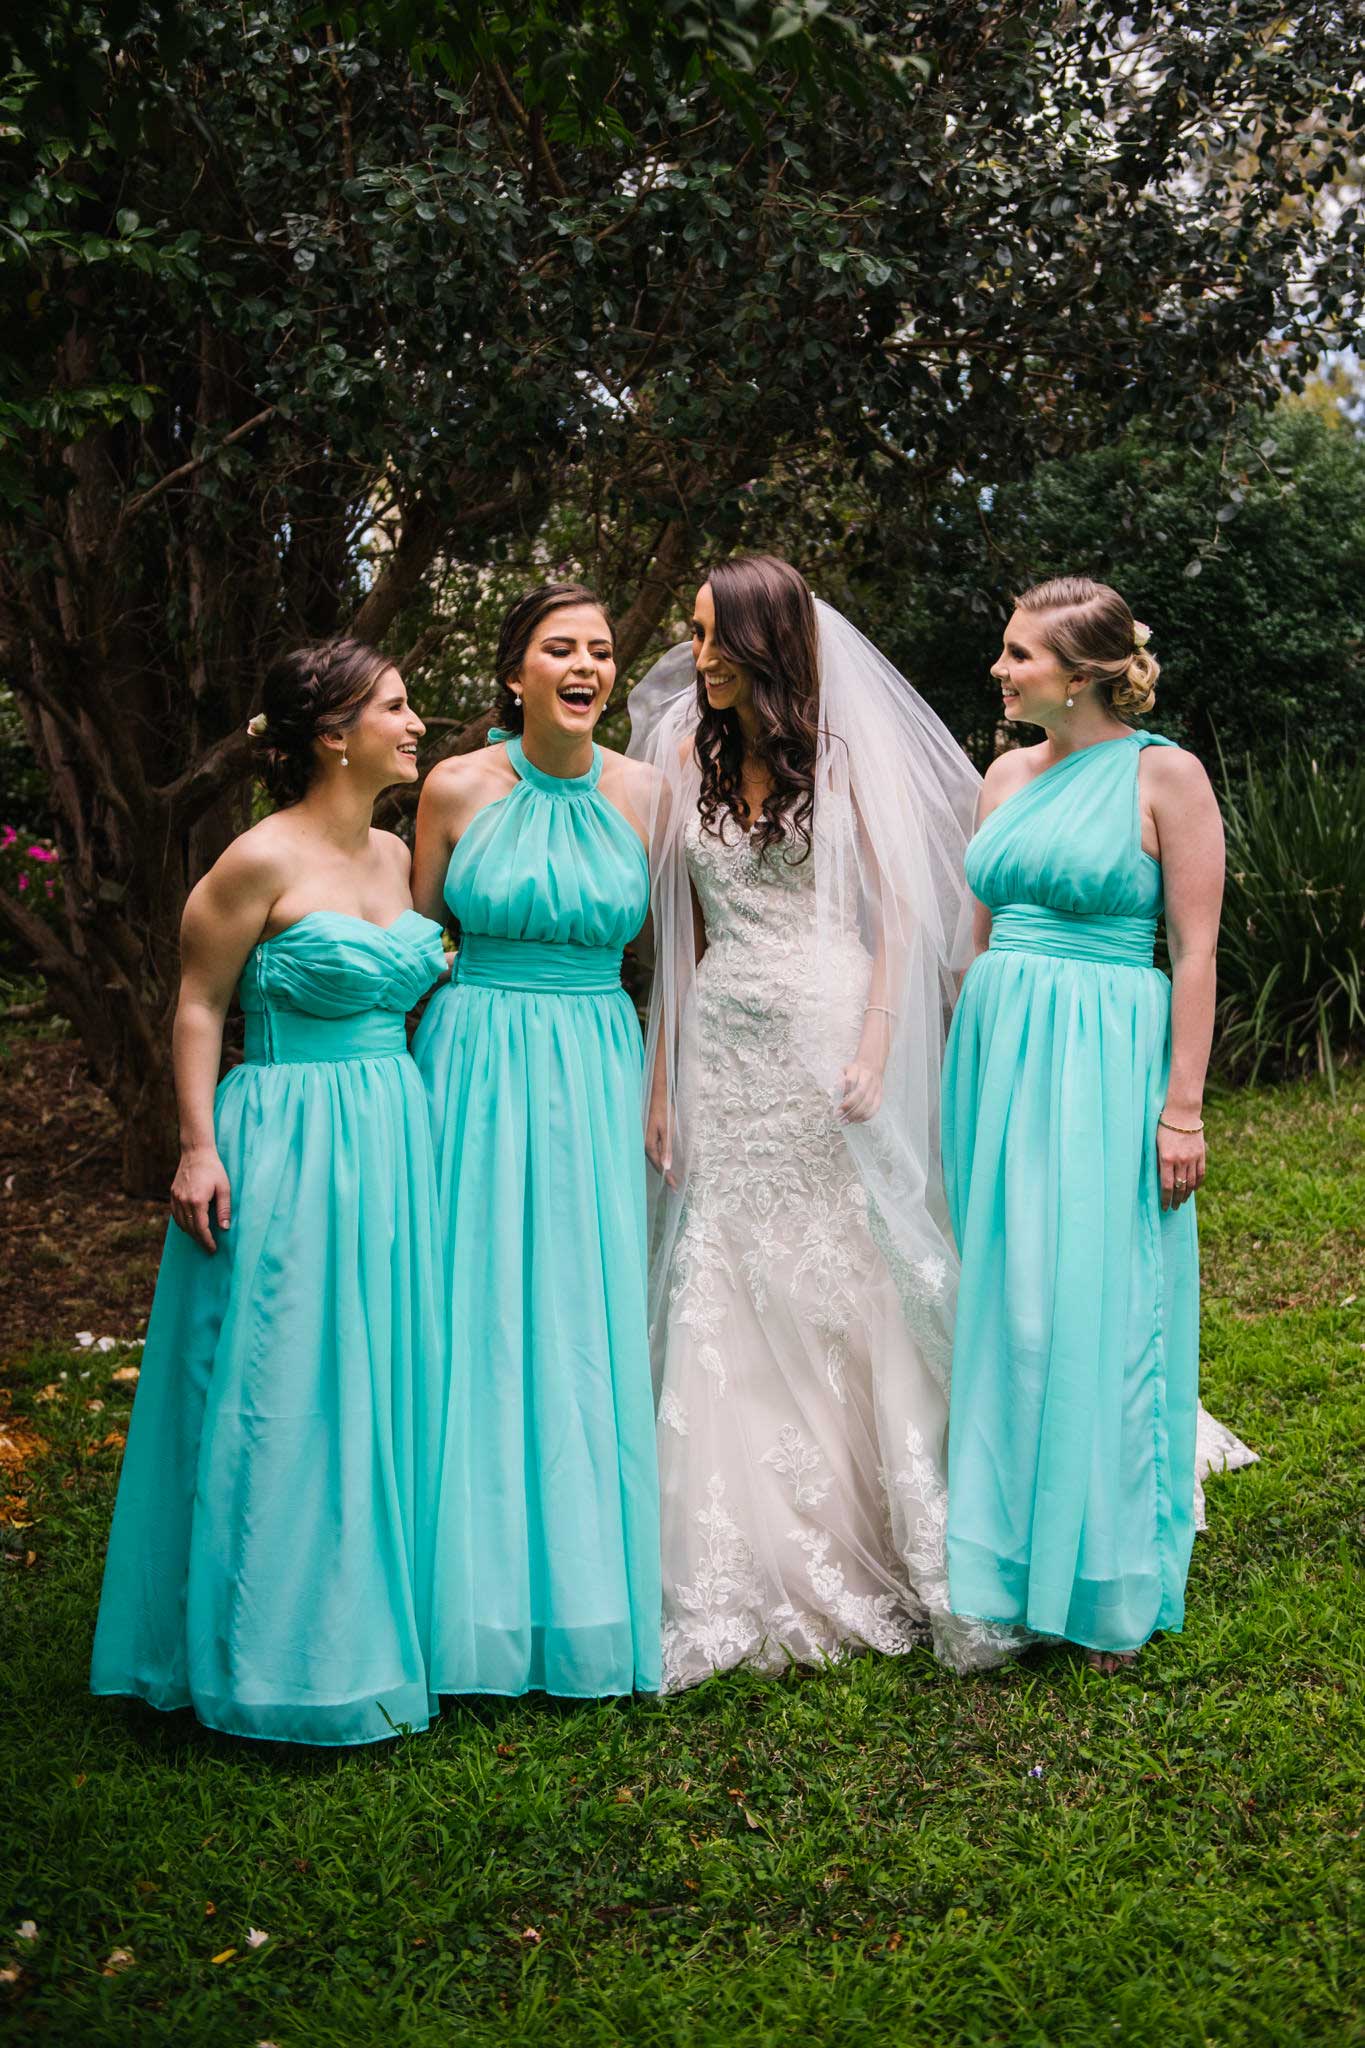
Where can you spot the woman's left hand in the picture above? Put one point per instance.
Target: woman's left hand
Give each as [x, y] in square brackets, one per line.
[862, 1092]
[1183, 1158]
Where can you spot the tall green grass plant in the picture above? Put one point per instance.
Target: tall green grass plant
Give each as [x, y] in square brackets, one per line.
[1292, 953]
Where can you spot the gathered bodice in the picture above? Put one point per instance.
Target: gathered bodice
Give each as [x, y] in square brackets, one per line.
[336, 987]
[330, 964]
[553, 862]
[1070, 841]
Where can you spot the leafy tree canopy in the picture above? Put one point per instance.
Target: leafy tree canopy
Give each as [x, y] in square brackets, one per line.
[304, 304]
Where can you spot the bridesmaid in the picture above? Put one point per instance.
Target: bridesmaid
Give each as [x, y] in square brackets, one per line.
[269, 1563]
[1073, 1142]
[547, 1569]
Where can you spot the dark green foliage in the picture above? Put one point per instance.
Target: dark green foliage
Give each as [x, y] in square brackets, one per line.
[1291, 959]
[1247, 560]
[879, 1854]
[316, 310]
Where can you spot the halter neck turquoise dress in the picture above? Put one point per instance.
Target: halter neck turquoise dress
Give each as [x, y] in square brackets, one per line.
[271, 1551]
[547, 1562]
[1076, 1356]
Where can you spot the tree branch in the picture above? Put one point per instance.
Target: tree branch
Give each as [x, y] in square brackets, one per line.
[673, 558]
[421, 540]
[175, 476]
[225, 764]
[41, 943]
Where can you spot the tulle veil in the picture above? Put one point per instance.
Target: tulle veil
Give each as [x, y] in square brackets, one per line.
[895, 799]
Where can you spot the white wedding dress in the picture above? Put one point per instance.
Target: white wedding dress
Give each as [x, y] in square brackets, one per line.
[803, 1497]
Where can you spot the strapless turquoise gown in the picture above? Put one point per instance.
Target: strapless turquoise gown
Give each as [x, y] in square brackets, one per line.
[1076, 1357]
[547, 1564]
[271, 1552]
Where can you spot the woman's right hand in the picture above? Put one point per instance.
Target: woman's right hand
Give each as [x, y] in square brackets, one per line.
[199, 1191]
[659, 1140]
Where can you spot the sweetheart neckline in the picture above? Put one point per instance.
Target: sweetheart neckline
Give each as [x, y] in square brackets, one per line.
[352, 917]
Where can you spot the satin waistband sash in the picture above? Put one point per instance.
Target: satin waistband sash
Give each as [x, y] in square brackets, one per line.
[289, 1037]
[542, 965]
[1072, 935]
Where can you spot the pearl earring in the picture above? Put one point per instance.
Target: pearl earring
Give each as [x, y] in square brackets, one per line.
[1071, 703]
[345, 758]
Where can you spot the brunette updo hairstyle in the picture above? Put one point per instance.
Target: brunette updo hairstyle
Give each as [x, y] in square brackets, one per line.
[1092, 633]
[765, 622]
[515, 637]
[310, 694]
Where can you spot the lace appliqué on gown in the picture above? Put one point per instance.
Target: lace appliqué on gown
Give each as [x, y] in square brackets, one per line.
[804, 1505]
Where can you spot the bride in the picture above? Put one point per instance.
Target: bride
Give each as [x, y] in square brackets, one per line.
[810, 917]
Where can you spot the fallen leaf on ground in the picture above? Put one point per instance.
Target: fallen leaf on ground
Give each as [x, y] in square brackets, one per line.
[209, 1909]
[10, 1974]
[94, 1407]
[19, 1446]
[530, 1934]
[51, 1392]
[224, 1955]
[126, 1375]
[27, 1930]
[115, 1441]
[119, 1959]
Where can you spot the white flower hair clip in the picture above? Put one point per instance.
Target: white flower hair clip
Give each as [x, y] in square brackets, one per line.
[256, 726]
[1141, 634]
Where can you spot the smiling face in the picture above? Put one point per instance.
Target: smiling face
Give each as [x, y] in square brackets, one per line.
[381, 747]
[568, 670]
[1034, 685]
[728, 685]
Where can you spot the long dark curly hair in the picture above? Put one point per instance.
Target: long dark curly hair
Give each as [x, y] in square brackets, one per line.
[765, 623]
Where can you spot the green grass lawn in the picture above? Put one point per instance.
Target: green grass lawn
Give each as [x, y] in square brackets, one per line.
[877, 1853]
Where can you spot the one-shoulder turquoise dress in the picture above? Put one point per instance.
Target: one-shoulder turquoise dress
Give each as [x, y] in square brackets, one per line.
[271, 1551]
[547, 1564]
[1076, 1356]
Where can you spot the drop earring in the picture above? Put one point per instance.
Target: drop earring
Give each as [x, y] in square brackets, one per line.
[345, 758]
[1071, 703]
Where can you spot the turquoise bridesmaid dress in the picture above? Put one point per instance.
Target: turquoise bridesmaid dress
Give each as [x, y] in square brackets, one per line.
[271, 1552]
[547, 1564]
[1076, 1358]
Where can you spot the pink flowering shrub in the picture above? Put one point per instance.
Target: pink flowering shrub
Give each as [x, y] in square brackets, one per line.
[30, 871]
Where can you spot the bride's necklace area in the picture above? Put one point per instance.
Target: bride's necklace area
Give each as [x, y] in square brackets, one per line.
[753, 791]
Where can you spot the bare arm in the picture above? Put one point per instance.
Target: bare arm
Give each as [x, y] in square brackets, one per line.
[224, 917]
[1190, 833]
[433, 843]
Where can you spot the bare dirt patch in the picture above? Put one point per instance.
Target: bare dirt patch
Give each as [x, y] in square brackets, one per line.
[75, 1253]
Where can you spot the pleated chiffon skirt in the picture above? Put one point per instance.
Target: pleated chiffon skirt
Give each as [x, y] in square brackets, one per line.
[1076, 1358]
[547, 1556]
[270, 1562]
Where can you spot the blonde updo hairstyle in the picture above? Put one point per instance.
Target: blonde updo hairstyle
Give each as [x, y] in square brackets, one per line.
[1093, 634]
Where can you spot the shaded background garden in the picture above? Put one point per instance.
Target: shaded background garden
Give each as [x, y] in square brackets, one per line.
[322, 318]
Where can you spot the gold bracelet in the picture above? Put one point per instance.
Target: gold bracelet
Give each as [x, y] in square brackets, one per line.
[1185, 1130]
